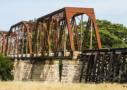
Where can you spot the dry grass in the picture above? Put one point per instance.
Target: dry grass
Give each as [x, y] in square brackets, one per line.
[59, 86]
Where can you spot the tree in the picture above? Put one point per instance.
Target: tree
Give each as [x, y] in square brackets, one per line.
[6, 66]
[111, 35]
[35, 20]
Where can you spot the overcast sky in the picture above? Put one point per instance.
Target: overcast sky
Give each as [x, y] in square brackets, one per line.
[14, 11]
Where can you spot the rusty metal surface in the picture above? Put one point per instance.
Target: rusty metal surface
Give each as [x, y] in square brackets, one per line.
[52, 34]
[17, 38]
[28, 35]
[3, 45]
[77, 35]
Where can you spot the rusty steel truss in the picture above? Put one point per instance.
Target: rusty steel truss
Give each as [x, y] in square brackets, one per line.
[2, 42]
[52, 36]
[19, 39]
[60, 28]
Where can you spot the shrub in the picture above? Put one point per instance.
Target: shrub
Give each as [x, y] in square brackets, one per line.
[6, 66]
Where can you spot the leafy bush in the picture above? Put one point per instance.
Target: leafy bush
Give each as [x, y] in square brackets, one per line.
[6, 66]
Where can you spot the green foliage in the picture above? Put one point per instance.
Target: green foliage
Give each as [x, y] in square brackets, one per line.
[111, 35]
[5, 68]
[35, 20]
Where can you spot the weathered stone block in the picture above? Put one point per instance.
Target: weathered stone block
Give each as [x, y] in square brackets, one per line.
[71, 71]
[40, 70]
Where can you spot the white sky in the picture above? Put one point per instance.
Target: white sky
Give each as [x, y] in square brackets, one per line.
[14, 11]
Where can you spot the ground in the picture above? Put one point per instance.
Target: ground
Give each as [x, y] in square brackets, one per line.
[60, 86]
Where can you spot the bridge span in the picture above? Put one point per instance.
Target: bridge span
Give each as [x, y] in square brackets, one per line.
[57, 36]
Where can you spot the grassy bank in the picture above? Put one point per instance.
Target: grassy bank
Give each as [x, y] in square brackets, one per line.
[59, 86]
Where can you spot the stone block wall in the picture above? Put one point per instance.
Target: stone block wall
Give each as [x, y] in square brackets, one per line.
[39, 71]
[18, 70]
[71, 71]
[48, 70]
[28, 68]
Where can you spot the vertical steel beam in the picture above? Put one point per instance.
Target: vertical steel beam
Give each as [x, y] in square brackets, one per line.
[81, 31]
[54, 37]
[31, 35]
[77, 35]
[60, 37]
[86, 34]
[28, 35]
[92, 16]
[38, 38]
[68, 17]
[14, 45]
[91, 35]
[26, 45]
[43, 43]
[65, 39]
[49, 36]
[7, 45]
[97, 36]
[57, 30]
[10, 49]
[22, 43]
[72, 27]
[17, 41]
[58, 34]
[4, 44]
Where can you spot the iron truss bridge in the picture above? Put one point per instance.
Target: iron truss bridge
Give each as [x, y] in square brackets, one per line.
[57, 36]
[52, 36]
